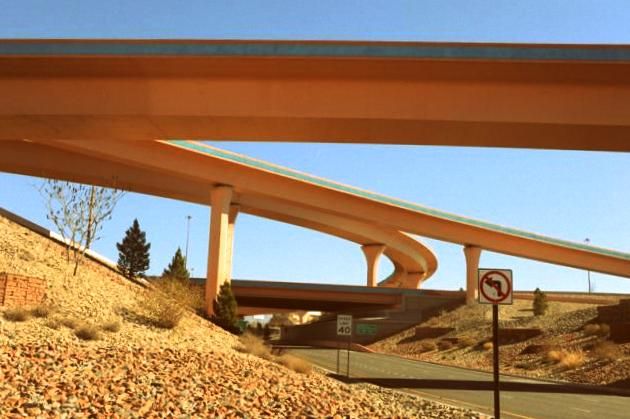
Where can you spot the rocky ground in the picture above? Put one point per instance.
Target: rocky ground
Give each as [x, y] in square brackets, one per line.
[194, 370]
[562, 329]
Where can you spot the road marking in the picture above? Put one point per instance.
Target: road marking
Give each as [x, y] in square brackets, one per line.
[447, 401]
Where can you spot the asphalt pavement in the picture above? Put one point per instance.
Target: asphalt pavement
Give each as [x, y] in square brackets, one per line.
[520, 397]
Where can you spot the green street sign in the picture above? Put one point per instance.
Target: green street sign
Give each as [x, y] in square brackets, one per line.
[366, 329]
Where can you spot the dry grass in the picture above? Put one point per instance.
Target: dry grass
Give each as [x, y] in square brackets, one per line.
[569, 359]
[252, 344]
[607, 351]
[427, 346]
[54, 324]
[42, 311]
[596, 329]
[18, 314]
[165, 303]
[111, 326]
[294, 363]
[185, 293]
[572, 359]
[87, 332]
[466, 341]
[444, 345]
[69, 322]
[487, 346]
[554, 356]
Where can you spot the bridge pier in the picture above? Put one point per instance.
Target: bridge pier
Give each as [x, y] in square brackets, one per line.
[219, 249]
[472, 254]
[233, 214]
[415, 279]
[372, 254]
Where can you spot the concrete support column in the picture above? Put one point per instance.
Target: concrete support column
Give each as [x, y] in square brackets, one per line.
[233, 213]
[415, 279]
[472, 254]
[372, 254]
[220, 198]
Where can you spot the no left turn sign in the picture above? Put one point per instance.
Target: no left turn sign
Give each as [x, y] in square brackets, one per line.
[495, 286]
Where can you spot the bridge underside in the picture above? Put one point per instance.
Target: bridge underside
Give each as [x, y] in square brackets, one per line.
[258, 297]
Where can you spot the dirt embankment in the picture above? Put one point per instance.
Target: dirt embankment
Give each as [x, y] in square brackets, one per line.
[139, 370]
[564, 351]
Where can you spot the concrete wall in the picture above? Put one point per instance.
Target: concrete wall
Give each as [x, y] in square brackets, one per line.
[19, 291]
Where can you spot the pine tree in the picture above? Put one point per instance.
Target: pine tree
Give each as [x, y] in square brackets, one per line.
[177, 268]
[540, 304]
[225, 309]
[133, 252]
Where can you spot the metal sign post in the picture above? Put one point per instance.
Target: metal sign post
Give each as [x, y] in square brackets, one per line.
[495, 287]
[344, 328]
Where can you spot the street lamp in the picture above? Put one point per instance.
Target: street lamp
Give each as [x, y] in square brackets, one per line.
[188, 217]
[588, 272]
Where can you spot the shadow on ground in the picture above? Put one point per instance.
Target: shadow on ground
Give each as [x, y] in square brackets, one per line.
[414, 383]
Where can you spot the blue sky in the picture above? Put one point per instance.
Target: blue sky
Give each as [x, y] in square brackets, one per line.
[570, 195]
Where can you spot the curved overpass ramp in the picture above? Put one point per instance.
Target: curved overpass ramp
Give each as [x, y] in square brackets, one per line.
[114, 92]
[198, 173]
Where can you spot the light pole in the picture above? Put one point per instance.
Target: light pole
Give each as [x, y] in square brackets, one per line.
[188, 217]
[588, 272]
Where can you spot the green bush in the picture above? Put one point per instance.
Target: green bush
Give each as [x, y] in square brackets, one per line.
[540, 304]
[225, 309]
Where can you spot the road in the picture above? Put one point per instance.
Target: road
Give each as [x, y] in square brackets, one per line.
[520, 398]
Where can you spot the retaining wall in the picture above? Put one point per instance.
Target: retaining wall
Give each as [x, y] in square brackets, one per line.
[19, 291]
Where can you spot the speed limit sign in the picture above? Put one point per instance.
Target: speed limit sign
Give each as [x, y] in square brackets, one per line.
[344, 325]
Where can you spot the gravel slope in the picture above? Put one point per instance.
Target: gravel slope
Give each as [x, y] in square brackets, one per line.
[141, 371]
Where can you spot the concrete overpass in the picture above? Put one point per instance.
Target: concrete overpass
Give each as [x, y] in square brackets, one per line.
[263, 297]
[107, 93]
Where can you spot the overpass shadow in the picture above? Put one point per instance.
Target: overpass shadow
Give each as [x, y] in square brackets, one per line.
[473, 385]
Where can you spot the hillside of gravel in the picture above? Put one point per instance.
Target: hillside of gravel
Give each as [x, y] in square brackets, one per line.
[139, 370]
[593, 358]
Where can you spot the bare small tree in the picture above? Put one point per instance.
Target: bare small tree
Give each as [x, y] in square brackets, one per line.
[78, 211]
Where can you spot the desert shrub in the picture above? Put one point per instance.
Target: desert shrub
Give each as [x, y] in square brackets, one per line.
[466, 341]
[487, 346]
[554, 355]
[17, 314]
[69, 322]
[572, 359]
[252, 344]
[165, 303]
[183, 292]
[568, 359]
[52, 324]
[427, 346]
[607, 351]
[111, 326]
[87, 332]
[591, 329]
[538, 349]
[41, 311]
[443, 345]
[540, 304]
[595, 329]
[294, 363]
